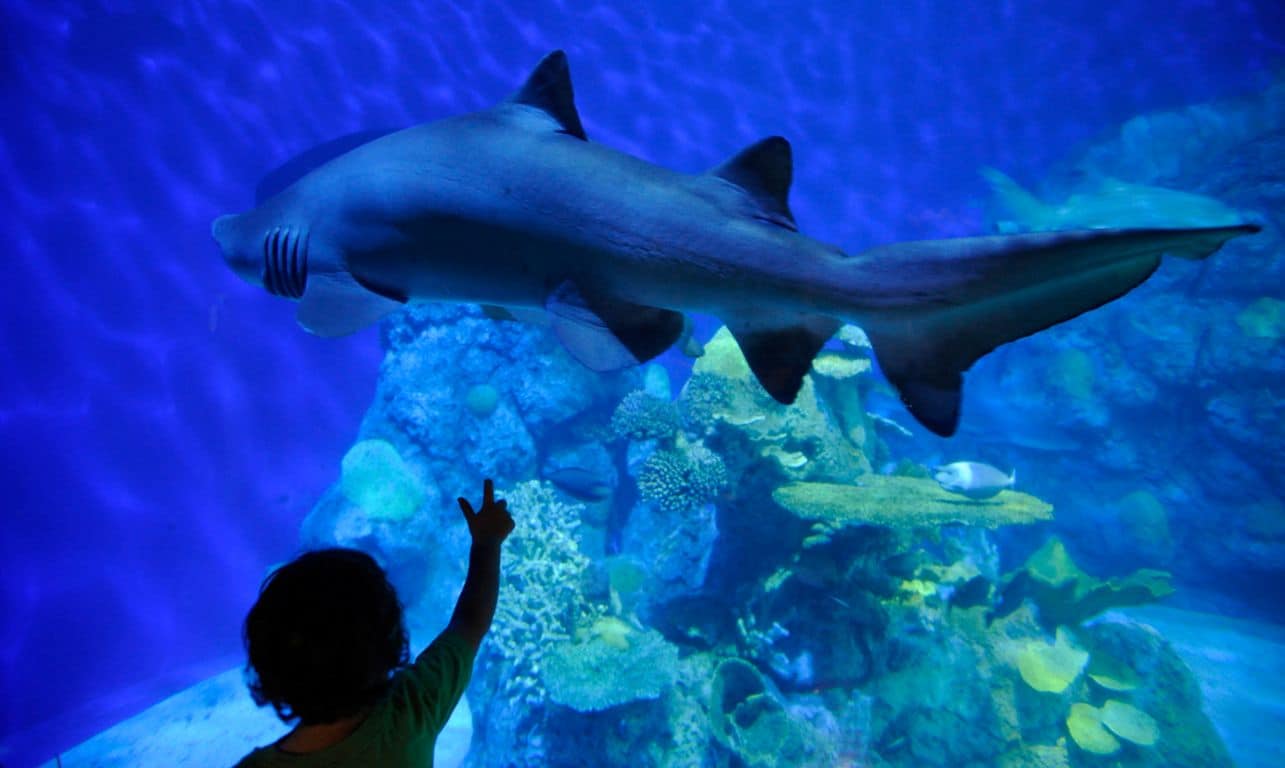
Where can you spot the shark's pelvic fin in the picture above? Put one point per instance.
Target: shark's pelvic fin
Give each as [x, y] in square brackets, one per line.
[780, 353]
[335, 304]
[962, 298]
[549, 89]
[609, 334]
[764, 170]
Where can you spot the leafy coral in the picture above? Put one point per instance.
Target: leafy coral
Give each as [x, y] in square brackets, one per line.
[1084, 723]
[905, 502]
[1051, 668]
[612, 666]
[1067, 596]
[1130, 723]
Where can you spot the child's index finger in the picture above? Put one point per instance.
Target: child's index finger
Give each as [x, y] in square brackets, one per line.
[488, 492]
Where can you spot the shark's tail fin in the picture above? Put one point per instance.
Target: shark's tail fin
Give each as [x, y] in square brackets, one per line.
[943, 304]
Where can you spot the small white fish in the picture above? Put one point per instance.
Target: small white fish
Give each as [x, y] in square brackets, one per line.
[973, 479]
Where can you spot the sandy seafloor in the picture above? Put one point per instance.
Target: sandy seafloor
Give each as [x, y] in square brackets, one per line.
[1240, 666]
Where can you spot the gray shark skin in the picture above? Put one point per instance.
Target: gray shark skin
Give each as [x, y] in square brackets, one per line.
[513, 208]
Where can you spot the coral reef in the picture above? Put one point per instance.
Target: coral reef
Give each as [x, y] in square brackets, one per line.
[904, 502]
[614, 665]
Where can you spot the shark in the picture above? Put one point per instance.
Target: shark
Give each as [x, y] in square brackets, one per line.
[514, 208]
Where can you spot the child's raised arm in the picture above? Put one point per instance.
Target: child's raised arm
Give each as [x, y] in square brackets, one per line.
[489, 526]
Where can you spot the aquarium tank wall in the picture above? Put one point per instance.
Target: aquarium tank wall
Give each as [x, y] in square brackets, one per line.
[1088, 572]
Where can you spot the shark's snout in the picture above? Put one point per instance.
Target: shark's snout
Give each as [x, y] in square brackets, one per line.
[245, 261]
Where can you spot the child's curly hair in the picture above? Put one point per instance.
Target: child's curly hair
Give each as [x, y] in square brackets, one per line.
[324, 637]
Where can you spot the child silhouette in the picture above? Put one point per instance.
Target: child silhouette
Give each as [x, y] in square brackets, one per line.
[328, 650]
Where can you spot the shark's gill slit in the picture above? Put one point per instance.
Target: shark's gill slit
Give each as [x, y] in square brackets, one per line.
[285, 262]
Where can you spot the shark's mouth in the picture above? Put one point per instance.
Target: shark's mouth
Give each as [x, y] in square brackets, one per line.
[285, 262]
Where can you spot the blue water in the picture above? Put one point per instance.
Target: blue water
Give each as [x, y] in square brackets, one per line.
[165, 427]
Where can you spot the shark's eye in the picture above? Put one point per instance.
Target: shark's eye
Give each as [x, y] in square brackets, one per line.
[285, 262]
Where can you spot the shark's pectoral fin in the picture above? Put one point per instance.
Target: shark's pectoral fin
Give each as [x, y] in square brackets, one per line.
[608, 334]
[335, 304]
[764, 170]
[549, 89]
[780, 350]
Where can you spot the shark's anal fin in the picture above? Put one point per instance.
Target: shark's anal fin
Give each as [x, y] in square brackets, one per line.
[335, 304]
[548, 88]
[764, 170]
[607, 334]
[780, 352]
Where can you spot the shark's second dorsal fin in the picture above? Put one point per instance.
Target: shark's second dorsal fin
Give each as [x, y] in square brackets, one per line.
[549, 89]
[764, 170]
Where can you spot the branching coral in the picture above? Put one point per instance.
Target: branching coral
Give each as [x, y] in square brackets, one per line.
[640, 416]
[540, 598]
[682, 479]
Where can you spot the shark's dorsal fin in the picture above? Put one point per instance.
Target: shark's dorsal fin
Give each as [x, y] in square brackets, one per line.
[764, 170]
[780, 351]
[607, 334]
[549, 89]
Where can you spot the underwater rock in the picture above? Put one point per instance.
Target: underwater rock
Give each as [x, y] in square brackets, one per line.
[904, 503]
[584, 471]
[752, 720]
[1165, 694]
[724, 402]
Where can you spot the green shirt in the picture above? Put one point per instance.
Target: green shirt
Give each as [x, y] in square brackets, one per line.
[402, 729]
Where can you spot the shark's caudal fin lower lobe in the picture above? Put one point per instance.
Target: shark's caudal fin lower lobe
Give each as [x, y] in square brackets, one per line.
[946, 303]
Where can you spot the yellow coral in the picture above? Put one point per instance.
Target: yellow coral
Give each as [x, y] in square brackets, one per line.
[612, 632]
[1085, 725]
[1130, 723]
[1051, 668]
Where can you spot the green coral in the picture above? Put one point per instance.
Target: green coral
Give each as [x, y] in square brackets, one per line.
[1263, 319]
[681, 479]
[905, 503]
[609, 668]
[482, 400]
[640, 416]
[1051, 668]
[540, 602]
[1067, 596]
[1084, 723]
[375, 478]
